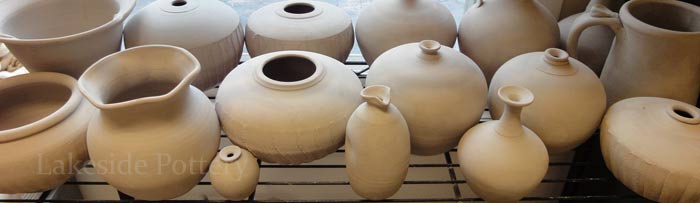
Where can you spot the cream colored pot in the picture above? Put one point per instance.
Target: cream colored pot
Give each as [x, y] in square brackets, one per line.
[652, 145]
[440, 92]
[288, 107]
[43, 123]
[234, 173]
[595, 42]
[377, 146]
[655, 51]
[62, 36]
[154, 134]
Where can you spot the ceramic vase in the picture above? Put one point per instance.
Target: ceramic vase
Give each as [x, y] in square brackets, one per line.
[502, 160]
[377, 146]
[655, 49]
[154, 134]
[234, 173]
[42, 131]
[494, 31]
[650, 144]
[595, 42]
[210, 30]
[570, 97]
[440, 92]
[62, 36]
[386, 24]
[288, 107]
[303, 25]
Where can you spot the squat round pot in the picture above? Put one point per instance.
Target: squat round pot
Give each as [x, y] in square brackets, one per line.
[234, 173]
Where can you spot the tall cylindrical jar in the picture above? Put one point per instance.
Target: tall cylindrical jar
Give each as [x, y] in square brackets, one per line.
[377, 146]
[210, 30]
[440, 92]
[154, 134]
[595, 42]
[234, 173]
[303, 25]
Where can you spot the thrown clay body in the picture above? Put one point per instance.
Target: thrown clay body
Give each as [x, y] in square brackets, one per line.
[655, 52]
[494, 31]
[440, 92]
[43, 123]
[595, 41]
[288, 107]
[652, 145]
[386, 24]
[377, 146]
[303, 25]
[570, 98]
[154, 135]
[62, 36]
[502, 160]
[182, 23]
[234, 173]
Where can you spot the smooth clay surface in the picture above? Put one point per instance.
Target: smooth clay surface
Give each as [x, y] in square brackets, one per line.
[234, 173]
[595, 42]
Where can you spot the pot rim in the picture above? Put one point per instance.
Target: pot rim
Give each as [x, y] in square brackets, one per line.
[125, 8]
[52, 119]
[637, 24]
[307, 82]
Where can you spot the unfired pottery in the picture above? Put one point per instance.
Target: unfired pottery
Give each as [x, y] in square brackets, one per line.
[62, 36]
[43, 122]
[386, 24]
[494, 31]
[502, 160]
[288, 107]
[655, 52]
[377, 146]
[154, 135]
[234, 173]
[304, 25]
[440, 92]
[652, 145]
[210, 30]
[595, 42]
[570, 97]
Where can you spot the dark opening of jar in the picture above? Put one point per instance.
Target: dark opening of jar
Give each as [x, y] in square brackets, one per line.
[179, 2]
[29, 103]
[289, 69]
[146, 89]
[683, 113]
[299, 8]
[666, 16]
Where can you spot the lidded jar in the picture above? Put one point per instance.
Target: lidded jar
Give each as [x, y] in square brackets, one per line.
[303, 25]
[210, 30]
[570, 97]
[440, 92]
[234, 173]
[288, 107]
[386, 24]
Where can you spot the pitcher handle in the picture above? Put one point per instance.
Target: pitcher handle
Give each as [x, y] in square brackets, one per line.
[597, 15]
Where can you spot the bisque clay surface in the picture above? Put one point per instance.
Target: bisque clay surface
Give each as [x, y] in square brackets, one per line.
[595, 42]
[62, 36]
[288, 107]
[154, 135]
[304, 25]
[43, 125]
[652, 145]
[377, 146]
[386, 24]
[440, 92]
[655, 49]
[234, 173]
[494, 31]
[210, 30]
[570, 97]
[502, 160]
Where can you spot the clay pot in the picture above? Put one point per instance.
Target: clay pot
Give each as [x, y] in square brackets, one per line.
[62, 36]
[650, 144]
[304, 25]
[595, 42]
[288, 107]
[154, 135]
[440, 92]
[386, 24]
[234, 173]
[655, 49]
[570, 98]
[377, 146]
[42, 131]
[181, 23]
[502, 160]
[494, 31]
